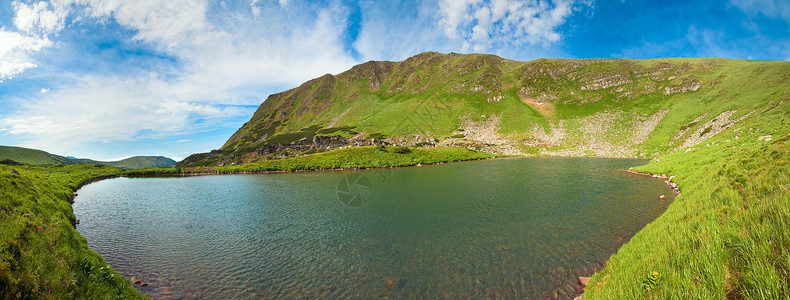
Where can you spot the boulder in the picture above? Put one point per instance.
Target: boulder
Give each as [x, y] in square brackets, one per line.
[662, 197]
[584, 280]
[13, 171]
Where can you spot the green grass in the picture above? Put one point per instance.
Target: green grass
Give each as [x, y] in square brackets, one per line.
[726, 235]
[42, 256]
[359, 157]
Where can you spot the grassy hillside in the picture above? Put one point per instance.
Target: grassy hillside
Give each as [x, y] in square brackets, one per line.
[587, 107]
[38, 157]
[32, 156]
[727, 235]
[42, 256]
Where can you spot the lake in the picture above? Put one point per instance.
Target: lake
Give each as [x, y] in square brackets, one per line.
[512, 228]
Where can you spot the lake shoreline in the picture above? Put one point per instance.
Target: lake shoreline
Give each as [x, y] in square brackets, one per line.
[131, 174]
[667, 179]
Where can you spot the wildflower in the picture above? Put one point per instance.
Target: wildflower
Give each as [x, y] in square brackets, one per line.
[39, 227]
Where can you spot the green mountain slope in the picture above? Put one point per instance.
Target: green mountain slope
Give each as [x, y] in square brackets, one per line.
[32, 156]
[38, 157]
[588, 107]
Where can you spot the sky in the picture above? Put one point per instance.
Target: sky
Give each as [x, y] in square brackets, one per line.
[109, 79]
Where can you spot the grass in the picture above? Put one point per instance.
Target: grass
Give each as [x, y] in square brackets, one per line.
[726, 235]
[349, 158]
[42, 256]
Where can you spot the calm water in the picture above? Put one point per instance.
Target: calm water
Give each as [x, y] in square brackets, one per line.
[513, 228]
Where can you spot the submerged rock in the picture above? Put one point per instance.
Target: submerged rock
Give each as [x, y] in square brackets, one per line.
[391, 282]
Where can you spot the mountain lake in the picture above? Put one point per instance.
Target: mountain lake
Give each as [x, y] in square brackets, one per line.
[507, 228]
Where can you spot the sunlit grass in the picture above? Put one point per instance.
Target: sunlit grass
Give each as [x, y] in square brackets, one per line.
[41, 254]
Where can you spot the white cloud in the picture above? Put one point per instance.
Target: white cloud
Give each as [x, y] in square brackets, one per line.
[164, 22]
[99, 109]
[44, 90]
[41, 17]
[485, 24]
[15, 50]
[256, 11]
[770, 8]
[183, 141]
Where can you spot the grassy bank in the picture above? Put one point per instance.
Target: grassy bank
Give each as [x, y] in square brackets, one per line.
[42, 256]
[359, 157]
[727, 235]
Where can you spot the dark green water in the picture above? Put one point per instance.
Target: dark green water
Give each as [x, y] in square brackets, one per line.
[512, 228]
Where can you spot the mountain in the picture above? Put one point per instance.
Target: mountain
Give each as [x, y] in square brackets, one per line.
[135, 162]
[10, 155]
[579, 107]
[32, 156]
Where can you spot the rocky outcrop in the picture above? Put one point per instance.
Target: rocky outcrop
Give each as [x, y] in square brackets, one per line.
[318, 142]
[711, 128]
[606, 82]
[690, 86]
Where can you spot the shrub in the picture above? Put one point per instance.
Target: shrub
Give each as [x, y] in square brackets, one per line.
[401, 150]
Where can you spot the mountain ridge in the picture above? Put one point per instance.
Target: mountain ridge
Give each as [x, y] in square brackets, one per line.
[578, 107]
[40, 157]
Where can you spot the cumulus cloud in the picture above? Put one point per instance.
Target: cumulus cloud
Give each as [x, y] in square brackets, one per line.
[15, 51]
[165, 22]
[484, 24]
[41, 17]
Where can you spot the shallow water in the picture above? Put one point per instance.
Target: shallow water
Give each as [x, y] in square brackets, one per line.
[512, 228]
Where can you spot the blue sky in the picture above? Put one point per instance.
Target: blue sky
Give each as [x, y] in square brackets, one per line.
[110, 79]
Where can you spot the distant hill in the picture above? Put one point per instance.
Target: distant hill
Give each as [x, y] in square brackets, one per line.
[33, 156]
[38, 157]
